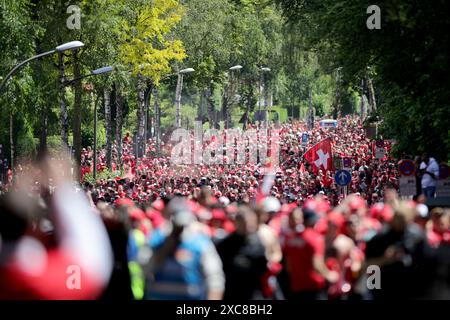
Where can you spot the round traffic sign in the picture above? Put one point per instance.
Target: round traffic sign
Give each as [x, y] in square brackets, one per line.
[407, 167]
[379, 143]
[347, 162]
[444, 171]
[342, 177]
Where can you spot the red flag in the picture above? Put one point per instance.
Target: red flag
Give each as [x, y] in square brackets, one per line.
[319, 156]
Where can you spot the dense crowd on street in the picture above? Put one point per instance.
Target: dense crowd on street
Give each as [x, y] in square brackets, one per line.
[155, 230]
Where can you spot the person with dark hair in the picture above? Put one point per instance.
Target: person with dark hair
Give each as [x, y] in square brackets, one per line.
[430, 174]
[244, 258]
[403, 255]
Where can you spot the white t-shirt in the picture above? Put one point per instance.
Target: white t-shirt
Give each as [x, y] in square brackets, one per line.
[427, 180]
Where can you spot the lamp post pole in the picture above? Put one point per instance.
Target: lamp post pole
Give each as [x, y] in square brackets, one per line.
[264, 94]
[95, 135]
[178, 100]
[178, 95]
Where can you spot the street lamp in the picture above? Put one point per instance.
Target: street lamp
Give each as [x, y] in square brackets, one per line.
[179, 88]
[262, 92]
[229, 96]
[73, 45]
[95, 72]
[236, 67]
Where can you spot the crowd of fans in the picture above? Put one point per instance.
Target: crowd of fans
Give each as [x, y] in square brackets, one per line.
[214, 231]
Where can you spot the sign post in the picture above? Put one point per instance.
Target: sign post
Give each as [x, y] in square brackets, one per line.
[407, 180]
[305, 138]
[379, 149]
[407, 186]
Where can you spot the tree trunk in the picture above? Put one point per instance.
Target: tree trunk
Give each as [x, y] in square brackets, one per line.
[77, 116]
[43, 135]
[147, 98]
[140, 128]
[119, 120]
[107, 102]
[211, 108]
[11, 138]
[362, 104]
[63, 102]
[157, 119]
[337, 101]
[372, 99]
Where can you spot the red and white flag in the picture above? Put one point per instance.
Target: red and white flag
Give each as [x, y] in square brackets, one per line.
[319, 156]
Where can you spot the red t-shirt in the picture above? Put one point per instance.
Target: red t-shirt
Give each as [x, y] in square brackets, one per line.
[299, 250]
[51, 284]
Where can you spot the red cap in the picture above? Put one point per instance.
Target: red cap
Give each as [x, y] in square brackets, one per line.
[137, 214]
[382, 212]
[357, 203]
[158, 205]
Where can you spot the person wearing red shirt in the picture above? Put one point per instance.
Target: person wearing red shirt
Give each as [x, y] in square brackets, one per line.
[77, 267]
[304, 251]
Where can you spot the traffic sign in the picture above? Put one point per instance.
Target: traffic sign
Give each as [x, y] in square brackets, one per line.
[379, 143]
[337, 162]
[444, 171]
[406, 167]
[343, 178]
[305, 138]
[407, 186]
[379, 153]
[347, 162]
[443, 188]
[379, 149]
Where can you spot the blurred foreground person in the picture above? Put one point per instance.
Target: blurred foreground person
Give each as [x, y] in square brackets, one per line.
[244, 257]
[304, 250]
[184, 264]
[403, 255]
[75, 264]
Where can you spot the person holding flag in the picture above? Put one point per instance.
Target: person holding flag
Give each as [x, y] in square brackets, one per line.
[320, 156]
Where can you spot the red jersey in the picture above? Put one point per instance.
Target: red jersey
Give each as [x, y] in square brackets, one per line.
[51, 283]
[299, 250]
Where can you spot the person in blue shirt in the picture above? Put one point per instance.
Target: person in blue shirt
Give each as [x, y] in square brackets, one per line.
[184, 263]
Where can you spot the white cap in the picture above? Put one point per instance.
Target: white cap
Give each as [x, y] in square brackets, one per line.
[224, 200]
[422, 210]
[271, 204]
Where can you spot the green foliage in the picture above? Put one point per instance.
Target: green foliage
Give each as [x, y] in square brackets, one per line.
[408, 59]
[105, 174]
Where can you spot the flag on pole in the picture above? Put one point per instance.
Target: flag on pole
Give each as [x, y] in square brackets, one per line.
[319, 156]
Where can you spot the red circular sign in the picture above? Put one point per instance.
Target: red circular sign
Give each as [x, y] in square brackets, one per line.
[379, 143]
[407, 167]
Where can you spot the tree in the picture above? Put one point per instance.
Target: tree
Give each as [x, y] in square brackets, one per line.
[148, 48]
[408, 59]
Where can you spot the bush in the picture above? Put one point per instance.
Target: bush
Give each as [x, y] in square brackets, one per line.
[105, 174]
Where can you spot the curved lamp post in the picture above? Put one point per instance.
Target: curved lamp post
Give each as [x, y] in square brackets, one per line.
[181, 74]
[73, 45]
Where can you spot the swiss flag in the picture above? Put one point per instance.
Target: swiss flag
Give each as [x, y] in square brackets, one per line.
[319, 156]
